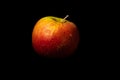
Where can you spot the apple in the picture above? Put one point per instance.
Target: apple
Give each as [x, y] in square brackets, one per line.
[55, 37]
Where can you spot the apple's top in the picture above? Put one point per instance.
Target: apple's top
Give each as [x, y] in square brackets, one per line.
[57, 19]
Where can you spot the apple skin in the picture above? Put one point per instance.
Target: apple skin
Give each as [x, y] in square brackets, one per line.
[55, 37]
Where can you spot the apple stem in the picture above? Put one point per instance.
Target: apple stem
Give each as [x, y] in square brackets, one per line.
[65, 18]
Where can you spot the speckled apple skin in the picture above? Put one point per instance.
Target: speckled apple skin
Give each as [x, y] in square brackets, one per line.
[55, 38]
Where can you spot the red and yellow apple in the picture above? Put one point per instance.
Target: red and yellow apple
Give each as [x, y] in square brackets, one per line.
[55, 37]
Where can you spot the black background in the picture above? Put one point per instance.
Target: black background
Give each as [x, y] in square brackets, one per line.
[21, 18]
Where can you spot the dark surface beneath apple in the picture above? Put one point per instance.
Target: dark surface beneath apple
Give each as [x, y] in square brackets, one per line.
[83, 15]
